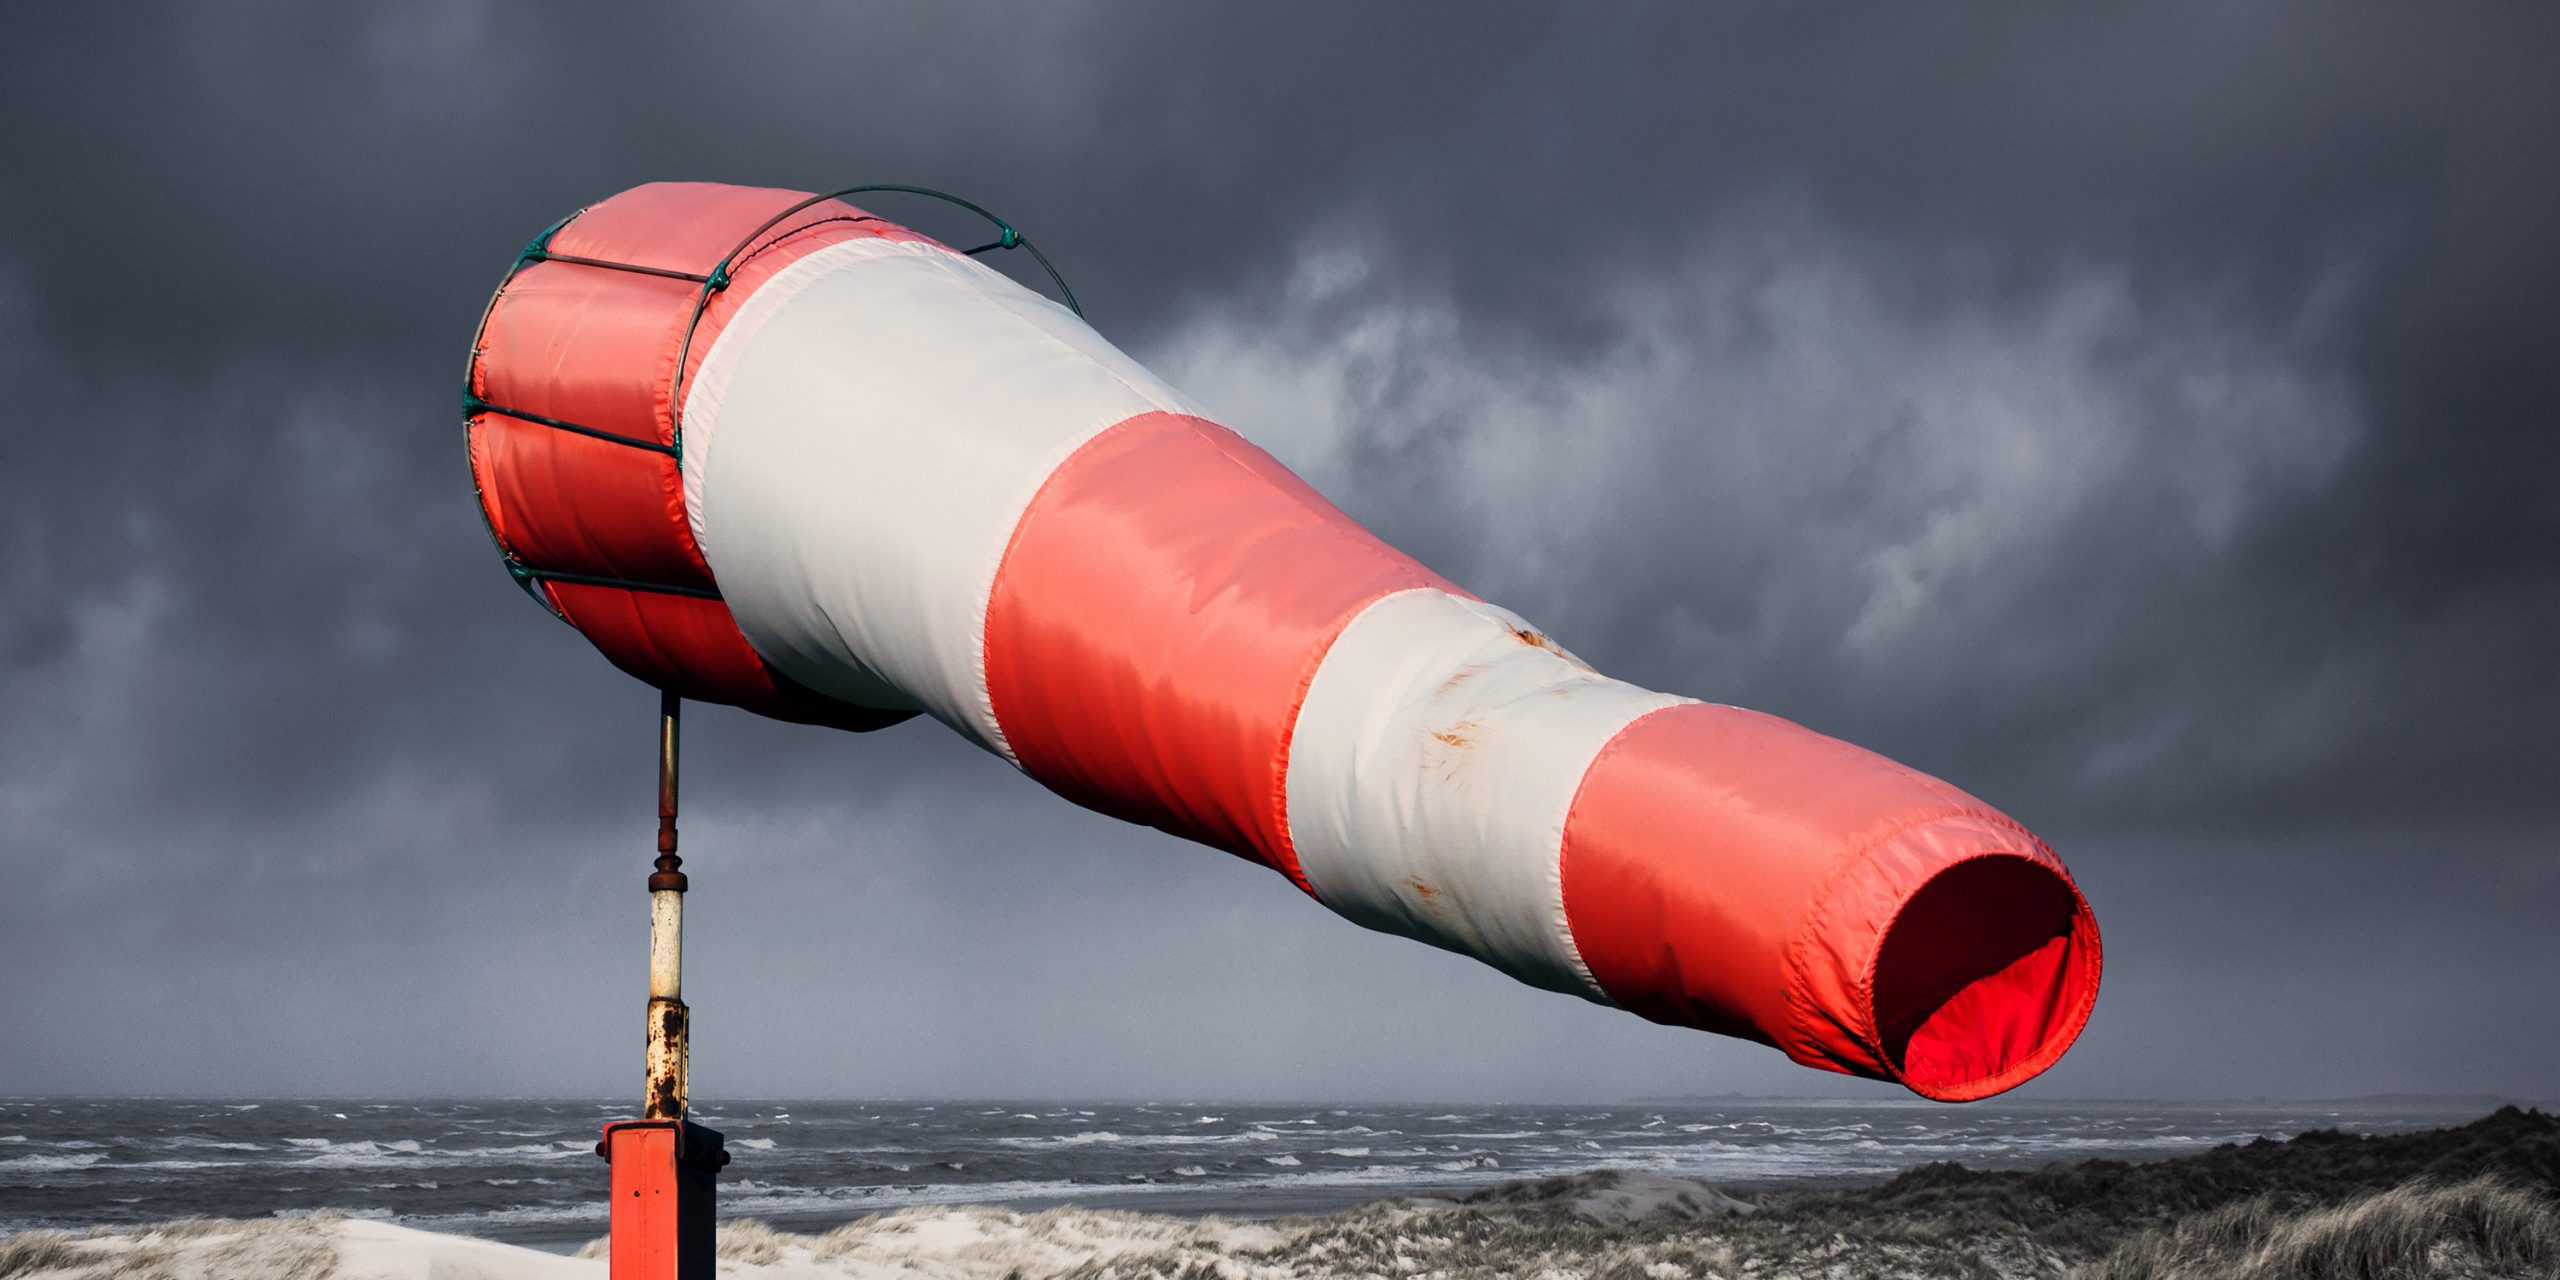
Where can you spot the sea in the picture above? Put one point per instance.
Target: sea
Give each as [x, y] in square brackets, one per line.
[526, 1172]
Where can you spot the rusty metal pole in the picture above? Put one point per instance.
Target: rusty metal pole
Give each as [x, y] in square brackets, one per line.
[665, 1096]
[663, 1165]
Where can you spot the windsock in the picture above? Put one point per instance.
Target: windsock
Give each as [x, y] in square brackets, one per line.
[845, 474]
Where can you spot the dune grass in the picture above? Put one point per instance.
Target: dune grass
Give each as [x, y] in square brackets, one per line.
[302, 1247]
[2486, 1226]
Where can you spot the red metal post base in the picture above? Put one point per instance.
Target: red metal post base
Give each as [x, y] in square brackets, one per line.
[662, 1198]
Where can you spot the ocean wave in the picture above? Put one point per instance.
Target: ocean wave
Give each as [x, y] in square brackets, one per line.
[361, 1153]
[191, 1142]
[1085, 1137]
[51, 1164]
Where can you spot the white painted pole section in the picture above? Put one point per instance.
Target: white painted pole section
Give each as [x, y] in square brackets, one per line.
[666, 944]
[666, 1089]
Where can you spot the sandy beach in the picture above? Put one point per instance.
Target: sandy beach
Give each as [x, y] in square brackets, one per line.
[2480, 1200]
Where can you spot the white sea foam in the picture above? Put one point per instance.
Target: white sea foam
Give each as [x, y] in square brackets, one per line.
[207, 1144]
[50, 1164]
[1085, 1137]
[363, 1153]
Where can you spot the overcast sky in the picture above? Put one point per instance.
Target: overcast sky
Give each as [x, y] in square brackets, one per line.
[2143, 420]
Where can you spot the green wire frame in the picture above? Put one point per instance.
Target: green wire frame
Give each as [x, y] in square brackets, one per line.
[528, 577]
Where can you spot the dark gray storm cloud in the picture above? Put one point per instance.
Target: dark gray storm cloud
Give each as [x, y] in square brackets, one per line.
[2142, 419]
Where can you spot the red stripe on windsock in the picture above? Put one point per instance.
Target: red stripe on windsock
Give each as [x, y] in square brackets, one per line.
[1738, 873]
[1157, 618]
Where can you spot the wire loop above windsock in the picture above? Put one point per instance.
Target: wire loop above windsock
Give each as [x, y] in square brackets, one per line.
[876, 478]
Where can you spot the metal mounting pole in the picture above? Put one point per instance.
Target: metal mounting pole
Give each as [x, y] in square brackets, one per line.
[663, 1165]
[665, 1097]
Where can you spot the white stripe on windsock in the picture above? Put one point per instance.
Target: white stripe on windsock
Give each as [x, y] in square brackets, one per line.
[858, 448]
[1434, 762]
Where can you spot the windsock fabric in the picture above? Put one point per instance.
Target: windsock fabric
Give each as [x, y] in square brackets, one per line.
[878, 478]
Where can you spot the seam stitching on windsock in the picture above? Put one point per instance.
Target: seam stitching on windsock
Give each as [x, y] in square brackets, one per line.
[1055, 474]
[1291, 865]
[1867, 979]
[1564, 842]
[1804, 1015]
[1288, 817]
[2087, 959]
[1001, 319]
[753, 308]
[1287, 862]
[1435, 687]
[970, 271]
[957, 267]
[1289, 742]
[1073, 446]
[1261, 818]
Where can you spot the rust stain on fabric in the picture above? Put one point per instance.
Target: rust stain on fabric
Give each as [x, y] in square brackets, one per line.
[1535, 641]
[1460, 678]
[1463, 735]
[1423, 893]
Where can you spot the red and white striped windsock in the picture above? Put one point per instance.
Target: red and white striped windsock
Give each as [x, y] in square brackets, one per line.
[847, 475]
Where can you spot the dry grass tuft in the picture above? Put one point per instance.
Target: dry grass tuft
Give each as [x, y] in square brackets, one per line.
[302, 1247]
[2485, 1227]
[31, 1251]
[750, 1240]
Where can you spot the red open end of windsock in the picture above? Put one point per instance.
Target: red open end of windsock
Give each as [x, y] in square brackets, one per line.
[1738, 873]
